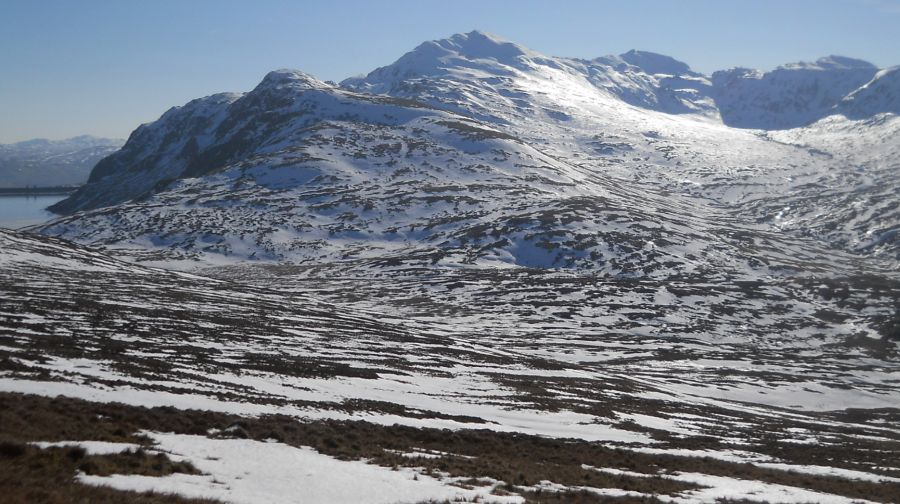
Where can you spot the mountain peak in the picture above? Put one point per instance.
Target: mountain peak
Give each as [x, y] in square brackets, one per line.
[474, 45]
[654, 63]
[475, 51]
[831, 63]
[844, 62]
[482, 45]
[289, 77]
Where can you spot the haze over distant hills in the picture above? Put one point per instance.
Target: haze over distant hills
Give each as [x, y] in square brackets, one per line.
[42, 162]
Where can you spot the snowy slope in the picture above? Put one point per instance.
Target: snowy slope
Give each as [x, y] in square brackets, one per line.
[573, 110]
[640, 78]
[300, 170]
[557, 173]
[314, 172]
[79, 323]
[878, 96]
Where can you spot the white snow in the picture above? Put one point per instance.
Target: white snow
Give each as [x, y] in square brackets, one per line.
[91, 447]
[251, 472]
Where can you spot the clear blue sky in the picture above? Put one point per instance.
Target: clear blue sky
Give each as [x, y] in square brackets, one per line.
[104, 66]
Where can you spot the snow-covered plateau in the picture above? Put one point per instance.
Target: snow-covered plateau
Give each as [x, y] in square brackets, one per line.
[478, 274]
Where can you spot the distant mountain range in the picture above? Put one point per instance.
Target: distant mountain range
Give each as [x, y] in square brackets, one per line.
[790, 96]
[44, 163]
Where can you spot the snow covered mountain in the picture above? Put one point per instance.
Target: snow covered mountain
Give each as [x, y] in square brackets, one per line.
[300, 170]
[878, 96]
[477, 150]
[573, 111]
[516, 247]
[527, 173]
[791, 95]
[435, 70]
[44, 163]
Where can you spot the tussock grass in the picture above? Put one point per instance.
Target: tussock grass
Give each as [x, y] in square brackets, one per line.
[518, 460]
[31, 475]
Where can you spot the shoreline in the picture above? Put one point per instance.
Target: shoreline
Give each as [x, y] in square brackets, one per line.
[37, 191]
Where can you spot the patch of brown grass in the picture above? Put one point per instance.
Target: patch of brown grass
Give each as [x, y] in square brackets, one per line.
[30, 475]
[518, 460]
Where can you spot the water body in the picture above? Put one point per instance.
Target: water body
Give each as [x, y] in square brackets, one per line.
[20, 211]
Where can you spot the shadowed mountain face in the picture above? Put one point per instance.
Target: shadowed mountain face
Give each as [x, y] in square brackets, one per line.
[879, 96]
[789, 96]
